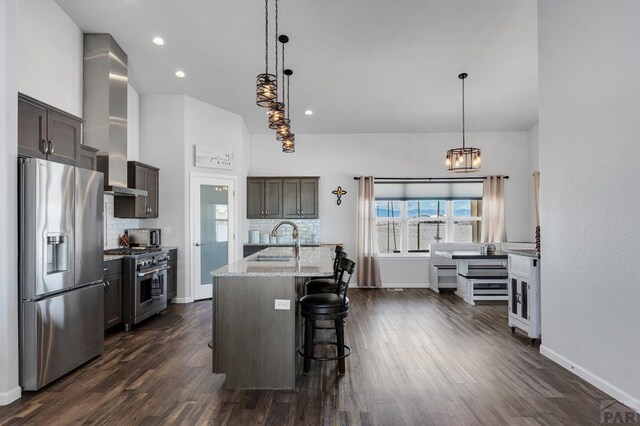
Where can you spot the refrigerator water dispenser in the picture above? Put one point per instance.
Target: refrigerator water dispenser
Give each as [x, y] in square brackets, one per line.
[57, 253]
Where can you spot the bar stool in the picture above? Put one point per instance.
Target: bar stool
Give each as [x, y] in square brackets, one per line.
[327, 285]
[327, 307]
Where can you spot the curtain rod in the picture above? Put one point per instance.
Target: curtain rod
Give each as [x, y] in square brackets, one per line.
[432, 179]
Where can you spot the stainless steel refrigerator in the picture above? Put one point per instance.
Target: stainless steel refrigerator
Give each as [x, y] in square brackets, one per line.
[61, 260]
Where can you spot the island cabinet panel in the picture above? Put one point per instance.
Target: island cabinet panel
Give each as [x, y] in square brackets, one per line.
[48, 133]
[291, 198]
[255, 344]
[282, 198]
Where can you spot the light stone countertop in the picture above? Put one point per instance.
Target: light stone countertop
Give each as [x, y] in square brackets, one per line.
[109, 257]
[314, 262]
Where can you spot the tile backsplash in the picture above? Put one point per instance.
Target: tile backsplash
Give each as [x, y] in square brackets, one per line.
[308, 228]
[113, 226]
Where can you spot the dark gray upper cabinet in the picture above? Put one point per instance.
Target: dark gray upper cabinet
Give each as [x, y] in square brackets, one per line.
[255, 198]
[48, 133]
[309, 198]
[286, 197]
[264, 198]
[291, 198]
[88, 158]
[272, 198]
[139, 176]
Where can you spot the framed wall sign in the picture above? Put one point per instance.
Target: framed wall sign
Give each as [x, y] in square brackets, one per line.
[213, 158]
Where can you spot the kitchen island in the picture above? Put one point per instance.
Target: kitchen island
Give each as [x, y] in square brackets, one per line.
[256, 323]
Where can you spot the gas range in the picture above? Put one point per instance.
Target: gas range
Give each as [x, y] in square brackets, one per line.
[144, 271]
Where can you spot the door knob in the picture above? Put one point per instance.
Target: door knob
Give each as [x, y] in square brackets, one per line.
[197, 244]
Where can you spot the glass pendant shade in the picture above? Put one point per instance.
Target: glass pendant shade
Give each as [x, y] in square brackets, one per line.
[276, 115]
[289, 144]
[266, 90]
[463, 160]
[284, 136]
[284, 128]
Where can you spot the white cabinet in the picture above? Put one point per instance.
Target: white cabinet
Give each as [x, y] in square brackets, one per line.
[524, 295]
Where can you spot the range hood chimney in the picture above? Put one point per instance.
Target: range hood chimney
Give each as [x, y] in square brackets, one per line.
[105, 110]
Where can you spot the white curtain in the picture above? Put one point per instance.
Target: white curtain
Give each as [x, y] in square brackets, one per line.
[494, 229]
[367, 255]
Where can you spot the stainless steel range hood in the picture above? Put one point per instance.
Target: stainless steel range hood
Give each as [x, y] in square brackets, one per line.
[105, 110]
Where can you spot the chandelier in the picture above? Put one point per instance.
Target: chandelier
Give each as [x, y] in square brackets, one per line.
[464, 159]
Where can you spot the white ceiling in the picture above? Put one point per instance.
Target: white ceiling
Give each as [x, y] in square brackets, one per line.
[362, 66]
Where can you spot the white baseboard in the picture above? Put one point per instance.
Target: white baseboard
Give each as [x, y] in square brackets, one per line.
[8, 397]
[405, 285]
[595, 380]
[182, 300]
[391, 285]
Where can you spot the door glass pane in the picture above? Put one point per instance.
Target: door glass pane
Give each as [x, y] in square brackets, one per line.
[214, 230]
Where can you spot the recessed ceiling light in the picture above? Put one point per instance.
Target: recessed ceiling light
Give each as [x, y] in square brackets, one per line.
[308, 112]
[180, 74]
[159, 41]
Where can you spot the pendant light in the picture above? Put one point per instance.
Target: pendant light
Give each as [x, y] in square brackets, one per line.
[266, 84]
[277, 111]
[463, 160]
[288, 139]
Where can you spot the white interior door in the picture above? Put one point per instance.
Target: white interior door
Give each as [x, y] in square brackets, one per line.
[212, 229]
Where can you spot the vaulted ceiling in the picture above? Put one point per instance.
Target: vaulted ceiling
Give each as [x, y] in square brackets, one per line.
[362, 66]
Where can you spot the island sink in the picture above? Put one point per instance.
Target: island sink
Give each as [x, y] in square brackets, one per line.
[267, 258]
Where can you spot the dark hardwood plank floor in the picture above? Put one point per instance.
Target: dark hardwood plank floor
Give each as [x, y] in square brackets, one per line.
[418, 358]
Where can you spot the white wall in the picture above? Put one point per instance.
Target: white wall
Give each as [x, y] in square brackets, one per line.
[338, 158]
[169, 127]
[589, 150]
[162, 145]
[50, 55]
[534, 165]
[9, 389]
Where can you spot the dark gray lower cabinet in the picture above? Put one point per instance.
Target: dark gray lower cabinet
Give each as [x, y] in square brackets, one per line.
[112, 293]
[172, 275]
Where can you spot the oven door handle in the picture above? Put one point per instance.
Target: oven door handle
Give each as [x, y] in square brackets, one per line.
[155, 271]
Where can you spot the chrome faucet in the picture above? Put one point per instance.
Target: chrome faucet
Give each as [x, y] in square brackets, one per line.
[295, 234]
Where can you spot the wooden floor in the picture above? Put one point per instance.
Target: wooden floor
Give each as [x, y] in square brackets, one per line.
[418, 358]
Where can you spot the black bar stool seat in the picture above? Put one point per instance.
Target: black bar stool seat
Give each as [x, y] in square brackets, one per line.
[315, 305]
[322, 285]
[327, 307]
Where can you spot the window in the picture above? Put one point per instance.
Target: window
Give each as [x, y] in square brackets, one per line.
[410, 226]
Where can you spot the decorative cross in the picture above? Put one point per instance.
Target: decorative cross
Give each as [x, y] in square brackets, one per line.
[339, 193]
